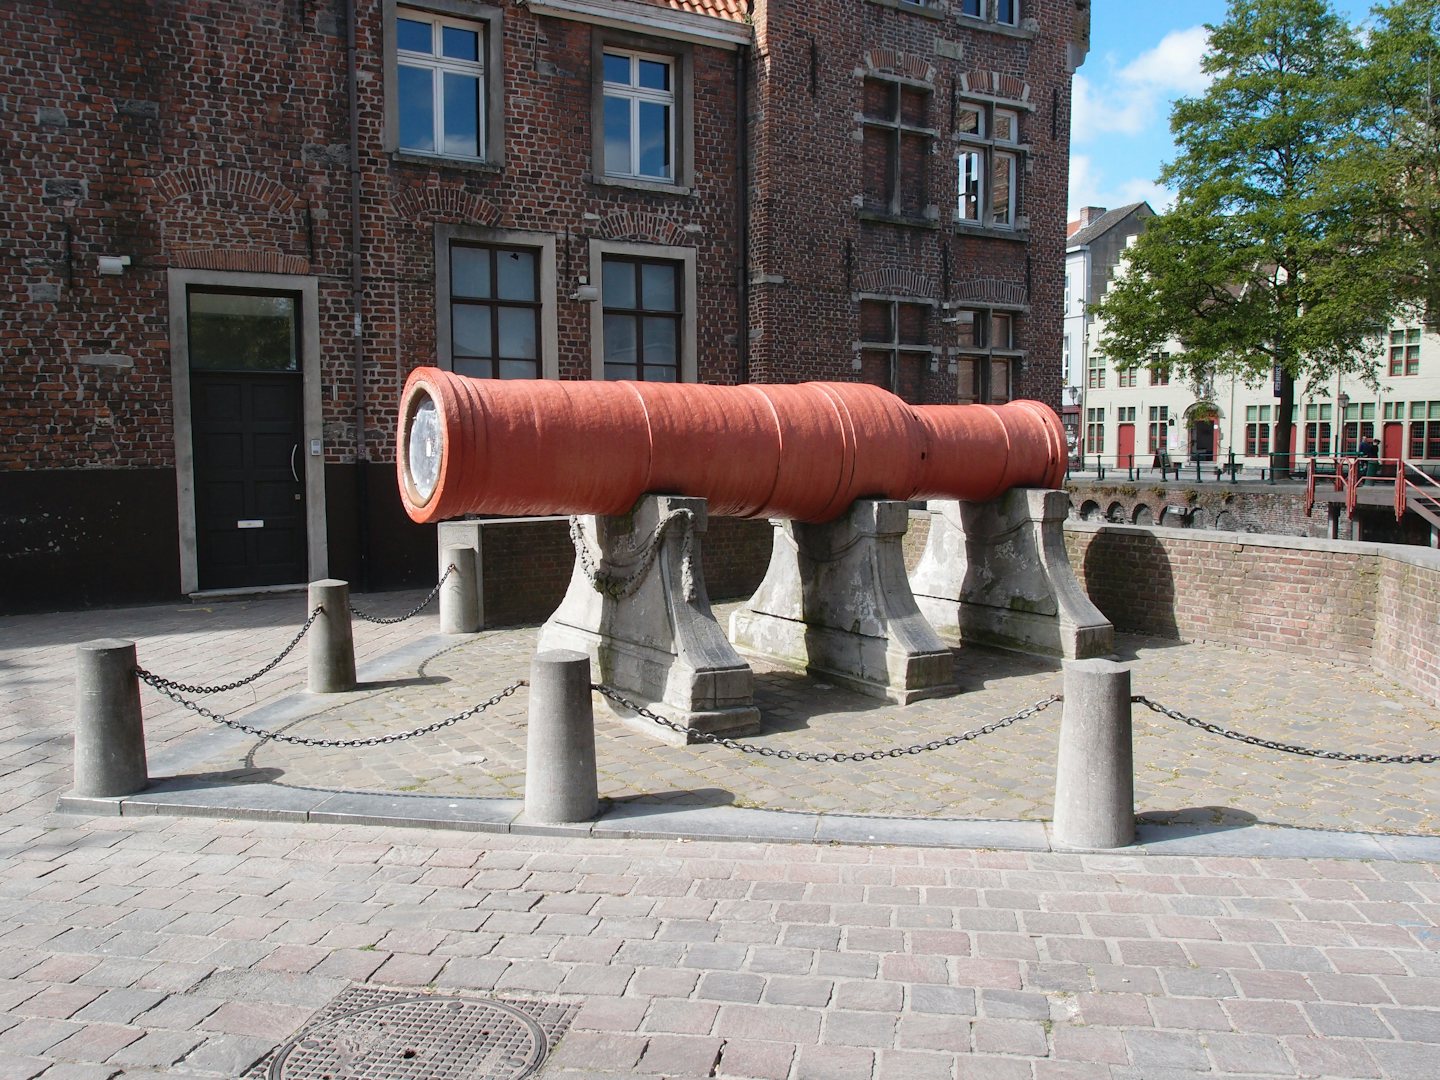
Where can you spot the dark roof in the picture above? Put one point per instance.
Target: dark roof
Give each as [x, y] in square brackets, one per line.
[1103, 224]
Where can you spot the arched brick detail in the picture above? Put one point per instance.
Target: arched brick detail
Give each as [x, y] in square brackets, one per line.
[894, 281]
[903, 65]
[990, 291]
[994, 84]
[207, 179]
[644, 228]
[448, 204]
[254, 262]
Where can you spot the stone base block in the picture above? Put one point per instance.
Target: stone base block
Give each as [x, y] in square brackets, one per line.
[835, 603]
[637, 606]
[996, 573]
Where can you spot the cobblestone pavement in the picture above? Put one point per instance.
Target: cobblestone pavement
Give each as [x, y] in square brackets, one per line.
[147, 947]
[1180, 772]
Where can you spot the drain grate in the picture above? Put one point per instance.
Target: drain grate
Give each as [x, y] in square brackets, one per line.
[374, 1034]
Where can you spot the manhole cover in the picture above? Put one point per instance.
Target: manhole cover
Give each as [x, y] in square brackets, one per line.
[429, 1038]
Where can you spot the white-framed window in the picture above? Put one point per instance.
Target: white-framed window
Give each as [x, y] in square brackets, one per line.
[986, 355]
[1095, 431]
[987, 164]
[495, 310]
[643, 325]
[1004, 12]
[442, 80]
[639, 115]
[895, 350]
[1095, 371]
[895, 147]
[1405, 351]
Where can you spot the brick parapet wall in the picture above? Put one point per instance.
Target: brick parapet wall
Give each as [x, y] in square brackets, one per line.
[1371, 604]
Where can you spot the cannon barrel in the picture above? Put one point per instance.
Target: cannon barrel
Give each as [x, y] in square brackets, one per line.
[802, 451]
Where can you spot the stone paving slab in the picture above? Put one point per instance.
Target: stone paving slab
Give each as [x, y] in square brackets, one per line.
[192, 948]
[1182, 776]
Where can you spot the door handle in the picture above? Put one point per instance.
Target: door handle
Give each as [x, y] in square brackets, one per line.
[293, 451]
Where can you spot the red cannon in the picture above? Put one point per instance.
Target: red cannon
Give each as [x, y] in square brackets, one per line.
[804, 451]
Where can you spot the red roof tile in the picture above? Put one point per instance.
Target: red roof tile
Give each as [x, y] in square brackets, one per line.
[734, 10]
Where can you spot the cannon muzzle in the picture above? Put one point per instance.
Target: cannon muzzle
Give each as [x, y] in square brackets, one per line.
[802, 451]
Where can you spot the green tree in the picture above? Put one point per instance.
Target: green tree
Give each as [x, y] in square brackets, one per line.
[1245, 271]
[1390, 171]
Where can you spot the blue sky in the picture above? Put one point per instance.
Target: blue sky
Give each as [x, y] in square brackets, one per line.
[1142, 57]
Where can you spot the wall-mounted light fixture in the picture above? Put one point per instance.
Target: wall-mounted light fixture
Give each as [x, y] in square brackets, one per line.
[112, 264]
[588, 293]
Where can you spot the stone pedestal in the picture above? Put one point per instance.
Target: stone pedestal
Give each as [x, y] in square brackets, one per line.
[835, 603]
[996, 573]
[637, 606]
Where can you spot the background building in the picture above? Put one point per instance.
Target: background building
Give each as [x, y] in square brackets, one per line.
[232, 228]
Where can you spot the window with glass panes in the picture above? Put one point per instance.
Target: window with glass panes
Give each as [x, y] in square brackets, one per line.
[440, 96]
[895, 148]
[1125, 376]
[1257, 430]
[494, 311]
[1095, 371]
[1405, 351]
[1125, 414]
[641, 302]
[1094, 431]
[1159, 372]
[983, 368]
[1159, 430]
[986, 163]
[1425, 429]
[895, 346]
[639, 115]
[1358, 423]
[1317, 430]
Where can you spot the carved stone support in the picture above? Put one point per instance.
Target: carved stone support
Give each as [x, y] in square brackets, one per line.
[835, 602]
[637, 606]
[996, 573]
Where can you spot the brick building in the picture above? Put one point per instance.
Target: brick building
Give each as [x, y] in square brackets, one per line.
[232, 227]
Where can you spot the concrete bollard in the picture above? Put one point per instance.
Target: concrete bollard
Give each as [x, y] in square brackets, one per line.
[460, 595]
[331, 646]
[109, 731]
[1095, 772]
[560, 782]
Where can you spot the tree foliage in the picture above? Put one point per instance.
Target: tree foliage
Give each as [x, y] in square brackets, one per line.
[1256, 268]
[1389, 172]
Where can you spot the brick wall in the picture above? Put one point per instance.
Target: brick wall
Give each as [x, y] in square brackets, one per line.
[1371, 604]
[816, 251]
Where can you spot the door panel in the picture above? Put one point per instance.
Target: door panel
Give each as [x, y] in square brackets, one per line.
[1124, 445]
[246, 427]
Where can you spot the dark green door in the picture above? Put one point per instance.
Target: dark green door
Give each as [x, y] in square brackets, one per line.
[248, 424]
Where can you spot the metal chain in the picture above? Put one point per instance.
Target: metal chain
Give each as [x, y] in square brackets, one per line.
[823, 758]
[164, 685]
[616, 587]
[391, 621]
[399, 736]
[1289, 748]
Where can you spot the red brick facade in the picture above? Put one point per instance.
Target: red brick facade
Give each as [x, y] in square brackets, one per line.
[207, 138]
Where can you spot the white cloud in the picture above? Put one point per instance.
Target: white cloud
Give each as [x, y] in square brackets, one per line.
[1091, 115]
[1173, 66]
[1089, 186]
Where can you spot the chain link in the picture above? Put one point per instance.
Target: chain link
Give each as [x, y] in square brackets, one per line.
[376, 620]
[617, 587]
[296, 740]
[823, 758]
[1289, 748]
[164, 685]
